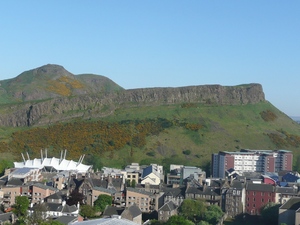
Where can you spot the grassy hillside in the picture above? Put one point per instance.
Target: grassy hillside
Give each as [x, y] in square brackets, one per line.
[184, 134]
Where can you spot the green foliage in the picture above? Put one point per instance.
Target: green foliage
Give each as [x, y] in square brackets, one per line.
[4, 164]
[133, 183]
[95, 161]
[152, 153]
[156, 222]
[178, 220]
[202, 222]
[269, 213]
[101, 202]
[21, 206]
[192, 209]
[213, 214]
[186, 152]
[87, 211]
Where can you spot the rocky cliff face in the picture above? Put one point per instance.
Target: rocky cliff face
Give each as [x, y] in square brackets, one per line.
[100, 105]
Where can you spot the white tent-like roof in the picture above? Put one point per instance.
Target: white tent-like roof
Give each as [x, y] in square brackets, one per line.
[59, 164]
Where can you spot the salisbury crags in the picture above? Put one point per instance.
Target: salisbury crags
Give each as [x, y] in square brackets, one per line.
[51, 94]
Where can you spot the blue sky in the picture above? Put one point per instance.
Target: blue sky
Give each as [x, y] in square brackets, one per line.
[156, 43]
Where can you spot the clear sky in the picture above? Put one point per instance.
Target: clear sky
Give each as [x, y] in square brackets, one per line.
[160, 43]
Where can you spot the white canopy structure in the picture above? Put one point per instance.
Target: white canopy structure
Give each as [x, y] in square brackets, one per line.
[57, 164]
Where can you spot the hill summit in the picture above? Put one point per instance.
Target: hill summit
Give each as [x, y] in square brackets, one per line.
[51, 81]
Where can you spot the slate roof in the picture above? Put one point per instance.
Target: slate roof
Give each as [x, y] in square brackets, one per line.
[139, 191]
[15, 182]
[109, 191]
[116, 182]
[203, 191]
[45, 187]
[286, 190]
[292, 204]
[134, 210]
[57, 207]
[112, 210]
[237, 184]
[57, 195]
[7, 216]
[66, 219]
[175, 192]
[169, 206]
[260, 187]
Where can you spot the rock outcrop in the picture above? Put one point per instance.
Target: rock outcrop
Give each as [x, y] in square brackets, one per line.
[100, 105]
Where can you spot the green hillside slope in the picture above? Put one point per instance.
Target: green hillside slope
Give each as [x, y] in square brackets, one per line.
[183, 134]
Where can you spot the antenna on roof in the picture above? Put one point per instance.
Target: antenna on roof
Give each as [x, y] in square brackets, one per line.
[23, 157]
[65, 153]
[46, 153]
[27, 155]
[61, 155]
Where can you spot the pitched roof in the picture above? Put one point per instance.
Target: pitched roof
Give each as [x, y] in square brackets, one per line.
[292, 204]
[139, 191]
[169, 206]
[66, 219]
[57, 195]
[7, 216]
[134, 210]
[109, 191]
[45, 187]
[15, 182]
[260, 187]
[112, 210]
[175, 192]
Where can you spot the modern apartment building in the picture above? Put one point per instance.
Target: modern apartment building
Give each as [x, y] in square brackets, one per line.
[247, 160]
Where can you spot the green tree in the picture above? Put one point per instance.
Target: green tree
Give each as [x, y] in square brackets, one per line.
[192, 209]
[202, 222]
[156, 222]
[133, 183]
[178, 220]
[21, 206]
[94, 161]
[269, 213]
[4, 164]
[87, 211]
[213, 214]
[101, 202]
